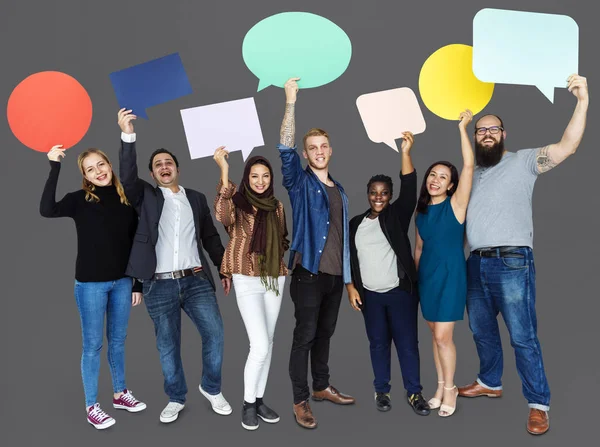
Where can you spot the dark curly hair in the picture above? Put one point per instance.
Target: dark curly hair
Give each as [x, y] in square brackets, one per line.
[383, 179]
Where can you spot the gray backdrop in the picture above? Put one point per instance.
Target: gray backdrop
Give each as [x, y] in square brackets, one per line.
[42, 396]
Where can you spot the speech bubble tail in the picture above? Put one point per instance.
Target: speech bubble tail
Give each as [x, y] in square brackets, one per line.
[547, 91]
[392, 144]
[246, 153]
[262, 84]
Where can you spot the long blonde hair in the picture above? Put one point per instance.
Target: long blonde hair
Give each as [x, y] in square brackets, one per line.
[89, 187]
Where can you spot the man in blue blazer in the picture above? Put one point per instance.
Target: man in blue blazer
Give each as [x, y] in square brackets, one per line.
[175, 227]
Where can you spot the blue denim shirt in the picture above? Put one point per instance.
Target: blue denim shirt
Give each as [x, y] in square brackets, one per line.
[310, 207]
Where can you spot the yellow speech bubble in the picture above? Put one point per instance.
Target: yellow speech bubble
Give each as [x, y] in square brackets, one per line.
[447, 83]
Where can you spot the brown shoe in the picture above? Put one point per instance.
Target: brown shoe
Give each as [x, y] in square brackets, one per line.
[476, 390]
[304, 416]
[538, 422]
[333, 395]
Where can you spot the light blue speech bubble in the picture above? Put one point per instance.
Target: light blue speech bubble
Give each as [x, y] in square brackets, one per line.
[527, 48]
[296, 44]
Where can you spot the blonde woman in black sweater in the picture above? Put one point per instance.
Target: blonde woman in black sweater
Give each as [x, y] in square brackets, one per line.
[105, 224]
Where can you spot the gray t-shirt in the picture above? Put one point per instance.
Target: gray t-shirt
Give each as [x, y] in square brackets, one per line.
[376, 258]
[331, 259]
[500, 211]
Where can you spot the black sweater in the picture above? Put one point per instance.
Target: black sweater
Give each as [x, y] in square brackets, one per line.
[105, 229]
[394, 221]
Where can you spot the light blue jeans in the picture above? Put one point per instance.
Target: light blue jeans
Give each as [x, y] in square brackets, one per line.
[94, 301]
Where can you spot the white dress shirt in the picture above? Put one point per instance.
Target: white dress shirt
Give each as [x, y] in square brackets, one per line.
[176, 248]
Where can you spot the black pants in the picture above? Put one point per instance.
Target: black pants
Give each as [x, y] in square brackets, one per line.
[317, 303]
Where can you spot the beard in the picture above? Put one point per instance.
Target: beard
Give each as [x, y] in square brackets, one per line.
[489, 156]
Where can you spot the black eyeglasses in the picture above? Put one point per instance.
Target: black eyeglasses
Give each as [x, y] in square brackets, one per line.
[493, 130]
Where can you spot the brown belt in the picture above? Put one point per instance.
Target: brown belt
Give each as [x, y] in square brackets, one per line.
[177, 273]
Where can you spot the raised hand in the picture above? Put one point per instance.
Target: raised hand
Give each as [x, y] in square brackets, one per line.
[291, 90]
[408, 140]
[578, 86]
[220, 157]
[56, 153]
[124, 119]
[464, 119]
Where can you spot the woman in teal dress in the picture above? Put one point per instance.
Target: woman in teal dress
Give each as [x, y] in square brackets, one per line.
[440, 261]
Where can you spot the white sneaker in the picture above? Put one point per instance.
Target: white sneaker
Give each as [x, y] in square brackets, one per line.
[171, 412]
[218, 402]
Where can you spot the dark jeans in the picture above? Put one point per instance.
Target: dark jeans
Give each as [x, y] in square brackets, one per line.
[507, 286]
[194, 294]
[393, 316]
[317, 303]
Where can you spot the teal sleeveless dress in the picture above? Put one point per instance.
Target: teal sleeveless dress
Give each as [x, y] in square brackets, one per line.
[442, 267]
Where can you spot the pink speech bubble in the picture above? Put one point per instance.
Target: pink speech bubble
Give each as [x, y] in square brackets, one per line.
[388, 113]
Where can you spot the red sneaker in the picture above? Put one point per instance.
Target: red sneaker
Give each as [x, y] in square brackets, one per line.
[98, 418]
[128, 402]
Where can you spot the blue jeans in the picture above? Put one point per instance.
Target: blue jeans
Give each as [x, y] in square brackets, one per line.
[94, 300]
[393, 316]
[506, 285]
[195, 295]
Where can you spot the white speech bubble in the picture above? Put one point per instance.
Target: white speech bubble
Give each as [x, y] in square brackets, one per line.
[388, 113]
[526, 48]
[233, 124]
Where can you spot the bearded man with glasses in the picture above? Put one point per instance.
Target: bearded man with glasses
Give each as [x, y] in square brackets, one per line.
[500, 268]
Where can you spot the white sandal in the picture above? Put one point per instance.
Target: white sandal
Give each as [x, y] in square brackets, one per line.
[434, 402]
[446, 410]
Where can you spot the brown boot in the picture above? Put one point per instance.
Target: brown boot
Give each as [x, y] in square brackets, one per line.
[476, 390]
[333, 395]
[538, 422]
[304, 416]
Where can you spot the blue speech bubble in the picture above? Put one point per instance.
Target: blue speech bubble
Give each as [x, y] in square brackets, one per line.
[296, 44]
[527, 48]
[151, 83]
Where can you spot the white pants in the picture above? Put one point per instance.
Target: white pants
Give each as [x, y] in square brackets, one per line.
[259, 309]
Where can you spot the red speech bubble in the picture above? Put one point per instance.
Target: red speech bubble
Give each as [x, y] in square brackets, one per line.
[49, 108]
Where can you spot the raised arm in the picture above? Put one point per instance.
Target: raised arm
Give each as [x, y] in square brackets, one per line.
[405, 205]
[552, 155]
[408, 139]
[128, 171]
[460, 198]
[49, 207]
[287, 133]
[224, 207]
[291, 165]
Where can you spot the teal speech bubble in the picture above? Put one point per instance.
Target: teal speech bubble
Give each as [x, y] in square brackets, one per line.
[526, 48]
[296, 44]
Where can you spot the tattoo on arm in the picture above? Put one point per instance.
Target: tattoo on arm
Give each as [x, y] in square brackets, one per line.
[287, 132]
[544, 161]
